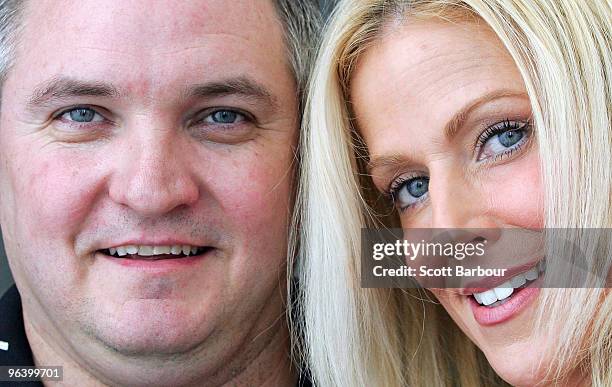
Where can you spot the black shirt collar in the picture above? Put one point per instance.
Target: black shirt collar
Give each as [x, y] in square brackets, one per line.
[12, 331]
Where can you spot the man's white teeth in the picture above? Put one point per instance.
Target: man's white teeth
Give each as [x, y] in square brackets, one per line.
[145, 251]
[161, 250]
[148, 251]
[505, 290]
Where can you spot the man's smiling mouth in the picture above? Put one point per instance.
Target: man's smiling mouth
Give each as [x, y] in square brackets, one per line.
[155, 252]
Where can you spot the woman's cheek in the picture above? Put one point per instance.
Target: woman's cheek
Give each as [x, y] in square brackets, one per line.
[515, 192]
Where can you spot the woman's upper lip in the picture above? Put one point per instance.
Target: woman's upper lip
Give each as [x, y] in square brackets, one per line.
[488, 283]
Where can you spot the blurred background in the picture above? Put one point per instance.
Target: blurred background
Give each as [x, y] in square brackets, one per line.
[5, 274]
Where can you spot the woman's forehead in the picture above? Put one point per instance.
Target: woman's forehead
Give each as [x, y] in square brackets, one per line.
[426, 72]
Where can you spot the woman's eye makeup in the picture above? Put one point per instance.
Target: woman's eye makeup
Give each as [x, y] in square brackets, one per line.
[501, 140]
[494, 143]
[408, 191]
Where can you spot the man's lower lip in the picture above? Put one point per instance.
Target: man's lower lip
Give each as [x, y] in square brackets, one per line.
[519, 300]
[155, 264]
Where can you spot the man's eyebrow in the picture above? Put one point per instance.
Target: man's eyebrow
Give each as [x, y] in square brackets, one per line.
[64, 87]
[454, 124]
[241, 86]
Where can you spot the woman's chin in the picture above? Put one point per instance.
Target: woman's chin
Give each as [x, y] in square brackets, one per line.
[518, 364]
[503, 332]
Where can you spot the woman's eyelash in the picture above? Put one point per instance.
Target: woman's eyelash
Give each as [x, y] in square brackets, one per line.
[503, 127]
[498, 128]
[397, 184]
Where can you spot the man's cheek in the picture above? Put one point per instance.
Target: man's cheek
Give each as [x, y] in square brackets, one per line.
[256, 192]
[55, 195]
[257, 205]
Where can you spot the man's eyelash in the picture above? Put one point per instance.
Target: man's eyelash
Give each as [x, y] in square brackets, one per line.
[202, 115]
[59, 114]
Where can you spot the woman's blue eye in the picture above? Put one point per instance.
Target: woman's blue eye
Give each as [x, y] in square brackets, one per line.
[502, 140]
[510, 137]
[411, 191]
[82, 115]
[224, 117]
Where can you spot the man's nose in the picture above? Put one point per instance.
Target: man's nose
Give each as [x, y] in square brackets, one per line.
[153, 175]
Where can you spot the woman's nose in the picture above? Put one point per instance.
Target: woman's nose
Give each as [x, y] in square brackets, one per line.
[458, 203]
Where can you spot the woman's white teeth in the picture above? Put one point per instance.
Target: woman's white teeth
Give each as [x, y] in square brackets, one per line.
[148, 251]
[531, 274]
[518, 281]
[486, 298]
[506, 289]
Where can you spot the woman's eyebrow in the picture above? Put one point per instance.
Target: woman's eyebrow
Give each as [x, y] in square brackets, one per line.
[398, 160]
[387, 162]
[457, 121]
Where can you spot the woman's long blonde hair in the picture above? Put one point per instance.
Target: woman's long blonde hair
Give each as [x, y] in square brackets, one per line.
[393, 337]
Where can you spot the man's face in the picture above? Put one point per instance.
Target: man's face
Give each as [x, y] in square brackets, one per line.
[148, 124]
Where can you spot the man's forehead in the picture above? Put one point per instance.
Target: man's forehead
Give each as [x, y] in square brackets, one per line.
[152, 48]
[157, 22]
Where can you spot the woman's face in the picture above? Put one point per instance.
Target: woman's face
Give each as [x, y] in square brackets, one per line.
[446, 118]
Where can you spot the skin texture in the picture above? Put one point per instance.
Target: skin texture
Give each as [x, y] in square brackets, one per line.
[151, 167]
[405, 90]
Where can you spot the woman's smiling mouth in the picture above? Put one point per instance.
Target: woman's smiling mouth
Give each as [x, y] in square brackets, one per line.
[501, 303]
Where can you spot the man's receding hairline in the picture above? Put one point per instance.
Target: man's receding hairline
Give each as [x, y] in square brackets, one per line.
[300, 27]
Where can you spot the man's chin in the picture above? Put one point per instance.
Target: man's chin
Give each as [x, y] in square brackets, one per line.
[150, 331]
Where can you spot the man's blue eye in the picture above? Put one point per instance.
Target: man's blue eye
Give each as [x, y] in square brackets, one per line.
[411, 191]
[82, 115]
[224, 117]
